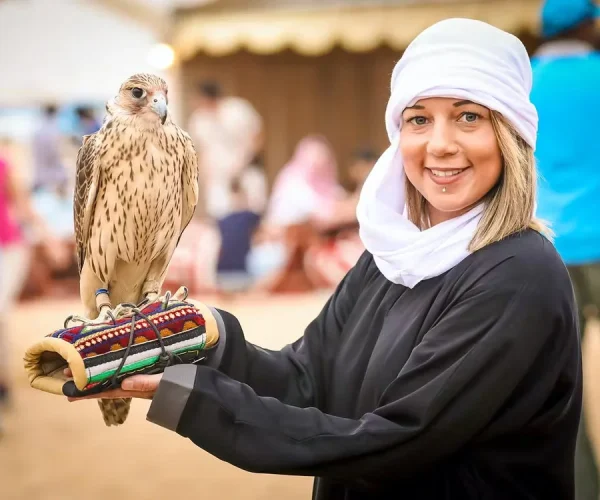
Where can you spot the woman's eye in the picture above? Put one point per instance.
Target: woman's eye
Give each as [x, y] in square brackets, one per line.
[137, 92]
[418, 120]
[470, 117]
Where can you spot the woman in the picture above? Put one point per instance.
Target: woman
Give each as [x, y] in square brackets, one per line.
[446, 365]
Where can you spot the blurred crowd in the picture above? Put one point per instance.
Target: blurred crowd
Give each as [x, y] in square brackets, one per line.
[36, 206]
[299, 234]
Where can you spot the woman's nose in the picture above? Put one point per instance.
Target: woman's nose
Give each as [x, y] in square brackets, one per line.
[442, 141]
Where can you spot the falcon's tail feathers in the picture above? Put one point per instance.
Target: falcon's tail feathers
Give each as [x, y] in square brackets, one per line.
[114, 411]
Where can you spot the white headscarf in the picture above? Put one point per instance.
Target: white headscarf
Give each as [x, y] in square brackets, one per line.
[458, 58]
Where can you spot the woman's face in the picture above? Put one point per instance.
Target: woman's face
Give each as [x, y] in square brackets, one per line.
[450, 154]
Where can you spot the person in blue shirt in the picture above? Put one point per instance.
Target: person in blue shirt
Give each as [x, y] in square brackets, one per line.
[566, 93]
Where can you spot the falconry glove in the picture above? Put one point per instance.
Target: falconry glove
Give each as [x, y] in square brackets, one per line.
[142, 339]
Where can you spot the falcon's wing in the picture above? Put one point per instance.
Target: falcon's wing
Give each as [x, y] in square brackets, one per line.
[86, 187]
[189, 179]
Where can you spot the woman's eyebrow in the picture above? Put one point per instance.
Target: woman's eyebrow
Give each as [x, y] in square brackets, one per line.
[462, 103]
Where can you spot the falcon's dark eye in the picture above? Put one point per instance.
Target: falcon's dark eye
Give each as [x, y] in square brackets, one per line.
[137, 92]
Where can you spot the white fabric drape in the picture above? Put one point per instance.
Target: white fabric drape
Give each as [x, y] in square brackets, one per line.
[458, 58]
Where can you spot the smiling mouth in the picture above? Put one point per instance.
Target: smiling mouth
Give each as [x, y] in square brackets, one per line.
[444, 177]
[446, 173]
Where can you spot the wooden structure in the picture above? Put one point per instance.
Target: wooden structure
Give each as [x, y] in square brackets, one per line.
[323, 69]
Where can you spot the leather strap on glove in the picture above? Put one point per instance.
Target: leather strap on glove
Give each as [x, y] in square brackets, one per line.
[139, 340]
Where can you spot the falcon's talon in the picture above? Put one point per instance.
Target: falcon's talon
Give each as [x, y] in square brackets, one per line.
[112, 316]
[106, 314]
[166, 299]
[77, 318]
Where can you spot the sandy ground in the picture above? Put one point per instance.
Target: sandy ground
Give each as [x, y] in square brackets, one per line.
[56, 450]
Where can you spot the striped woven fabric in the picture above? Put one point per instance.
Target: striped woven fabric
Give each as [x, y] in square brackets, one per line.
[184, 334]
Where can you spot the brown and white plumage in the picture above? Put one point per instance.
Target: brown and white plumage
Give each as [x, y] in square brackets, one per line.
[136, 191]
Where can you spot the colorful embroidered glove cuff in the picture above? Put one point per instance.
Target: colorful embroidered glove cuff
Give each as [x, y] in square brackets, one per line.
[140, 340]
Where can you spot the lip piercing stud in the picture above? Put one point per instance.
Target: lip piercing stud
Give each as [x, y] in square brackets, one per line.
[443, 190]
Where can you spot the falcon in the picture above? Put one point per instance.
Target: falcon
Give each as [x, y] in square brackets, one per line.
[136, 191]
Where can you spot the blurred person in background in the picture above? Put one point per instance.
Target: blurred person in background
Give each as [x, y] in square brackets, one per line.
[307, 187]
[305, 192]
[52, 200]
[87, 123]
[49, 170]
[343, 212]
[363, 161]
[566, 92]
[55, 208]
[19, 225]
[195, 260]
[228, 133]
[218, 264]
[236, 231]
[253, 181]
[338, 246]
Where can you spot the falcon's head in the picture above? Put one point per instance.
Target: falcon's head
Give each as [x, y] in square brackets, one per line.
[144, 94]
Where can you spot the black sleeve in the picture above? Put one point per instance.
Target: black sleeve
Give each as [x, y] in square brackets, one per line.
[294, 374]
[455, 380]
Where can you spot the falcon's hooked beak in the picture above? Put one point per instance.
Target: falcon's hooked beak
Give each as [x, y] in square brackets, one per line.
[158, 104]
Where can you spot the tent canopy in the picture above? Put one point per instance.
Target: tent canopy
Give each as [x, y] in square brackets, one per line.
[313, 31]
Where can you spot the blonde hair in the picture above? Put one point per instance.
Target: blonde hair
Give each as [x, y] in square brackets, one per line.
[509, 204]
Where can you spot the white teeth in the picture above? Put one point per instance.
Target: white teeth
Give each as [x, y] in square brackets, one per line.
[446, 173]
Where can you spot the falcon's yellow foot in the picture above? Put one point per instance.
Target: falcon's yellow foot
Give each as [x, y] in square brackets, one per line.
[103, 317]
[180, 295]
[106, 315]
[152, 297]
[104, 307]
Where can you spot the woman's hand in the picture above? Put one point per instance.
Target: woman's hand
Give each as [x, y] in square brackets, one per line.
[137, 386]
